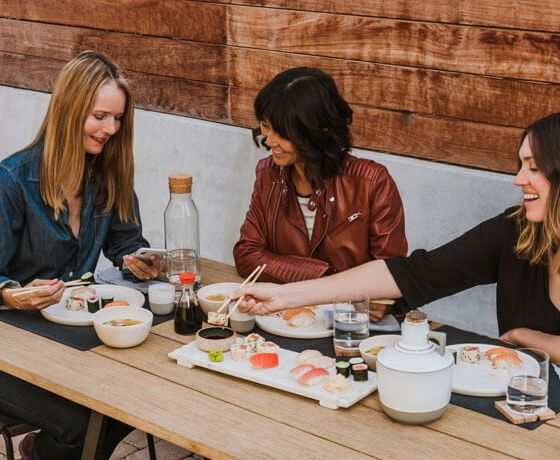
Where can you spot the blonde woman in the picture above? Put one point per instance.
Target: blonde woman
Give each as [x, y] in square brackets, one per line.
[518, 250]
[64, 199]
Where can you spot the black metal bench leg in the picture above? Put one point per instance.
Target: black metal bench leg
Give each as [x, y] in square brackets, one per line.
[151, 446]
[9, 445]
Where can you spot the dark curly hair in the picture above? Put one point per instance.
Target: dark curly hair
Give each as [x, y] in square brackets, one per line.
[303, 105]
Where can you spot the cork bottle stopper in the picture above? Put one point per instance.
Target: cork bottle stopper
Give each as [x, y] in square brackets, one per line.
[180, 183]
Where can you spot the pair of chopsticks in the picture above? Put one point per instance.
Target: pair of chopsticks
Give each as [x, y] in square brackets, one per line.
[249, 281]
[28, 290]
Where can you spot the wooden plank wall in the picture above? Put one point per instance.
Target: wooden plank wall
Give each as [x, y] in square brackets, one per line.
[448, 80]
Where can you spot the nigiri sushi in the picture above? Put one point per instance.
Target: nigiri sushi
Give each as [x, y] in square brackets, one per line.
[300, 369]
[264, 360]
[305, 355]
[313, 377]
[321, 361]
[299, 317]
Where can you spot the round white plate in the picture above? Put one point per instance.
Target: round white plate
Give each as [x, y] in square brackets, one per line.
[58, 313]
[276, 325]
[481, 379]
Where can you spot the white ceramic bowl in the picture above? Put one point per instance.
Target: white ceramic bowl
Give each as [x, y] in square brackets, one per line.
[122, 336]
[214, 289]
[376, 341]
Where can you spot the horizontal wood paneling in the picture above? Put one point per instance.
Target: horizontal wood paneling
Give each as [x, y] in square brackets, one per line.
[175, 58]
[524, 55]
[497, 101]
[451, 141]
[451, 81]
[153, 92]
[543, 15]
[170, 18]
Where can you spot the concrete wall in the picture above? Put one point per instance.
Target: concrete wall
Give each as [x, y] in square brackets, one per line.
[441, 201]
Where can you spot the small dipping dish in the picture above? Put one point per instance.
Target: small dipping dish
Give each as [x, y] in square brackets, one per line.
[215, 338]
[241, 322]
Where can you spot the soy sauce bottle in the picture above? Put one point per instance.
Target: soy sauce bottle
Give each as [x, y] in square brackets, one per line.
[188, 314]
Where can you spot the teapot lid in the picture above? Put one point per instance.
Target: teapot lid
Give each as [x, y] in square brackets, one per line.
[400, 359]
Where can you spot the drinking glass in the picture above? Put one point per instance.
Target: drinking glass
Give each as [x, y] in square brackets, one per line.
[351, 325]
[178, 261]
[527, 390]
[161, 297]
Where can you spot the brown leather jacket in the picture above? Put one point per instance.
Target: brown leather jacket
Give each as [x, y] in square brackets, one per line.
[359, 218]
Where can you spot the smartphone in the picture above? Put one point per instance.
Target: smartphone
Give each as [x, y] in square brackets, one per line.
[145, 253]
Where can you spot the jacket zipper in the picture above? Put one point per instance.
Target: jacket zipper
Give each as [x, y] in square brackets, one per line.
[274, 222]
[322, 236]
[351, 218]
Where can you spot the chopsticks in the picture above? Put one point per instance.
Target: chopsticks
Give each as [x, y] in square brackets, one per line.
[228, 300]
[260, 270]
[28, 290]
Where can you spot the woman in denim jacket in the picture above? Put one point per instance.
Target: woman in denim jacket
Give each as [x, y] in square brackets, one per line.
[63, 199]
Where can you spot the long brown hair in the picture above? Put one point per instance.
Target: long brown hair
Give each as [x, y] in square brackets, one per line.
[63, 160]
[538, 241]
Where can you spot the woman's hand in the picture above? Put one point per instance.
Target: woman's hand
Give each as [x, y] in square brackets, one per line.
[52, 293]
[260, 300]
[141, 269]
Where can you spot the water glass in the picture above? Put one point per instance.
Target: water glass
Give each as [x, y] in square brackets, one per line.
[351, 324]
[527, 390]
[161, 297]
[178, 261]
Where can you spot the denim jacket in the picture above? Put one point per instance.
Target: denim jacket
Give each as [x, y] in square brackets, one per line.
[35, 245]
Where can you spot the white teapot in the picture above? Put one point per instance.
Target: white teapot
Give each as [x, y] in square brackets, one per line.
[415, 374]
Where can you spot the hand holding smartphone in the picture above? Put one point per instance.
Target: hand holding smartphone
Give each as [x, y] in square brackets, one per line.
[144, 254]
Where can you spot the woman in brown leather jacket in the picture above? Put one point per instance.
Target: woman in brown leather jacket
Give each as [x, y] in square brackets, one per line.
[315, 208]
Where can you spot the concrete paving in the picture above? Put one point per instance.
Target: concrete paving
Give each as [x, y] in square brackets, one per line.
[133, 447]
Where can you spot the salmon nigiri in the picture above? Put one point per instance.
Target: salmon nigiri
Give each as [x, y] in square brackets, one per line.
[264, 360]
[313, 376]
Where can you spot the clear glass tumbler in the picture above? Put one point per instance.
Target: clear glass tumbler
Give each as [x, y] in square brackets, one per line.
[527, 390]
[351, 324]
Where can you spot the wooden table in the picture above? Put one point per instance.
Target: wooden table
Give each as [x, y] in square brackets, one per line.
[224, 418]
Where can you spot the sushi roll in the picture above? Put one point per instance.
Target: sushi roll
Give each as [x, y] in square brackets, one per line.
[306, 355]
[77, 300]
[313, 376]
[343, 368]
[253, 340]
[470, 355]
[240, 352]
[353, 361]
[267, 347]
[300, 369]
[337, 384]
[360, 372]
[93, 304]
[106, 299]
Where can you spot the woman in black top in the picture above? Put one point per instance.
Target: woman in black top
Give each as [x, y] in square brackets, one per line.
[517, 249]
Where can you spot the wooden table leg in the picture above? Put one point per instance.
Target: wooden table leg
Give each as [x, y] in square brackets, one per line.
[94, 434]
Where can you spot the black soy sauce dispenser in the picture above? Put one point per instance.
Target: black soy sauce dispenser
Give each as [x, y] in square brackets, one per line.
[188, 314]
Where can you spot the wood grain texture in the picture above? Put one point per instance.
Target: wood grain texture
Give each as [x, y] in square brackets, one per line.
[515, 14]
[486, 51]
[445, 140]
[350, 427]
[152, 92]
[160, 56]
[170, 18]
[496, 101]
[172, 412]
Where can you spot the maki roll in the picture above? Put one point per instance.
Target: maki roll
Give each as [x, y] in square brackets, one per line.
[360, 372]
[106, 299]
[343, 368]
[253, 340]
[240, 351]
[267, 347]
[93, 304]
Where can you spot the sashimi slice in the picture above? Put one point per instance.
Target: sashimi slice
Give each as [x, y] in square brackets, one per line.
[264, 360]
[299, 370]
[313, 377]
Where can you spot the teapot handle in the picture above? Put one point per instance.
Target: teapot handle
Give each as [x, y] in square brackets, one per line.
[441, 339]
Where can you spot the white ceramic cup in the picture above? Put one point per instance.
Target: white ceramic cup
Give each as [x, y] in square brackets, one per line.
[161, 297]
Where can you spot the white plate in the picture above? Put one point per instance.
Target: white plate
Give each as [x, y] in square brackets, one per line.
[277, 377]
[58, 313]
[277, 325]
[481, 379]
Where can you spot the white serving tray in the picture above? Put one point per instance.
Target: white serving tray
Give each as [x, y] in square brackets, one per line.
[277, 377]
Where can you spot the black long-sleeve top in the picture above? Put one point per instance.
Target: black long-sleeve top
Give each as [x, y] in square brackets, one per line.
[483, 255]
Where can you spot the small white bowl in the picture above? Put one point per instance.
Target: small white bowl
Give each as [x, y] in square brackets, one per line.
[214, 289]
[376, 341]
[122, 336]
